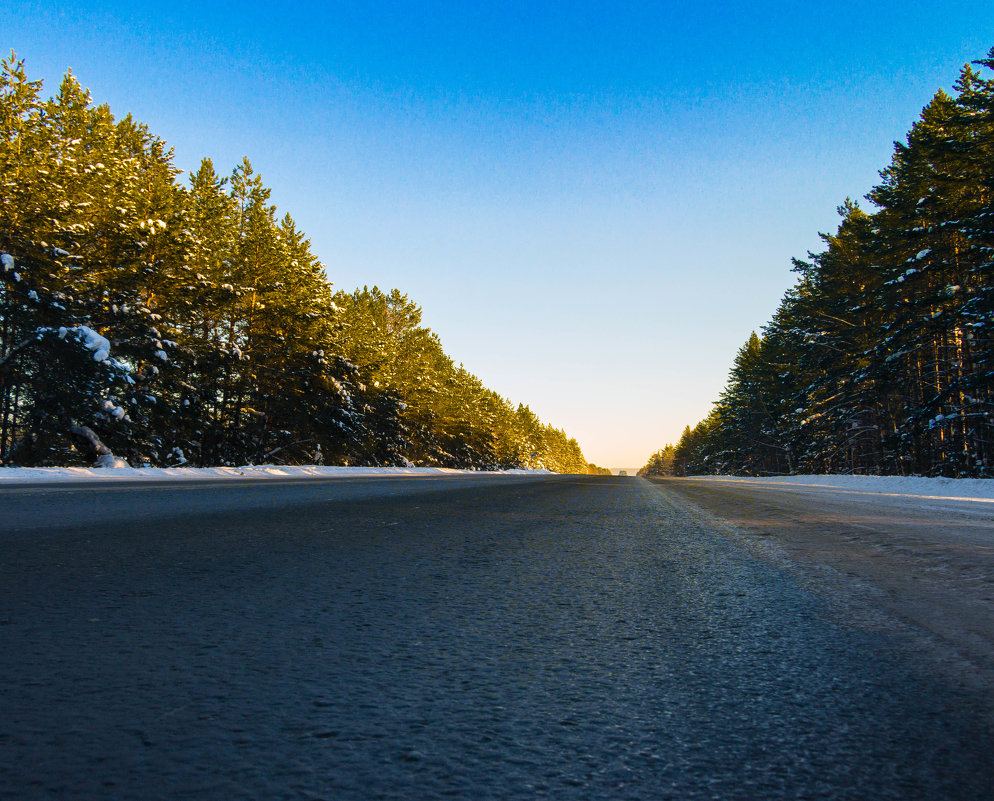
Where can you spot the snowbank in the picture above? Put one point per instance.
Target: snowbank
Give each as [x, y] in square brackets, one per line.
[32, 475]
[976, 489]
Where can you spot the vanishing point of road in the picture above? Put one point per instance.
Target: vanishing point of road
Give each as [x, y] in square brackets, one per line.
[483, 638]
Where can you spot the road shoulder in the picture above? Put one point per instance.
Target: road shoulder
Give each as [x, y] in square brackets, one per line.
[920, 574]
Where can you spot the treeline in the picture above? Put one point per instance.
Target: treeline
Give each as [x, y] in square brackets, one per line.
[879, 359]
[661, 463]
[166, 323]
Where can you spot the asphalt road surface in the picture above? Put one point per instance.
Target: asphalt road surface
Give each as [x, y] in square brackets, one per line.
[508, 638]
[919, 567]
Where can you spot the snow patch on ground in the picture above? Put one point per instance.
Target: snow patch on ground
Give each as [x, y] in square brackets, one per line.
[976, 489]
[32, 475]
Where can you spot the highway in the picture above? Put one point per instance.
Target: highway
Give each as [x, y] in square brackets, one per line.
[470, 637]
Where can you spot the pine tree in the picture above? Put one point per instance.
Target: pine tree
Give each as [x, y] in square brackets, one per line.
[879, 359]
[193, 325]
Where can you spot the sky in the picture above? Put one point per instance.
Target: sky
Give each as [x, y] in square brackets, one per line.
[594, 203]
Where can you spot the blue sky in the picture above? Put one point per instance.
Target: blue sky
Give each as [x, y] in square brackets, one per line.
[594, 202]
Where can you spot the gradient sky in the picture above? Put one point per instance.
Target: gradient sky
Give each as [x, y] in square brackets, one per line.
[594, 202]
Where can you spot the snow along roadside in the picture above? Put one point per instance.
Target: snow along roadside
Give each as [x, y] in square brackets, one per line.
[980, 490]
[35, 475]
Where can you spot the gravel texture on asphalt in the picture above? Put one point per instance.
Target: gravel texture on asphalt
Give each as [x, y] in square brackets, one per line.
[565, 638]
[920, 568]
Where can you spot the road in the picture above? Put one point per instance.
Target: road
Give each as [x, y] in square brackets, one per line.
[511, 638]
[921, 568]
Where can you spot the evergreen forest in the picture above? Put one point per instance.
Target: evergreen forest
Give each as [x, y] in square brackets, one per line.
[879, 359]
[170, 323]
